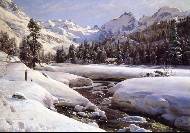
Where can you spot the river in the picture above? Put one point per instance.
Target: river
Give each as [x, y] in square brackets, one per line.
[99, 95]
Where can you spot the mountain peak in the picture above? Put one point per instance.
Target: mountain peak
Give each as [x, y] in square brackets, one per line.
[167, 12]
[125, 23]
[96, 27]
[126, 14]
[168, 9]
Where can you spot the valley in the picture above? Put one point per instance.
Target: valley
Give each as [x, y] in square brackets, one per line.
[129, 74]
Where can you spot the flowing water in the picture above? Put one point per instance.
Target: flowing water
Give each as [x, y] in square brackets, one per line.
[99, 95]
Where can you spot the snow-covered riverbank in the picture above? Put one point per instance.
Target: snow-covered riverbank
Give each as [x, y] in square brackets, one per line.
[168, 97]
[165, 96]
[29, 105]
[114, 72]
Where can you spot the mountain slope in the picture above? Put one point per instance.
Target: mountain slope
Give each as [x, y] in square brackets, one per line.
[163, 14]
[58, 33]
[125, 23]
[14, 22]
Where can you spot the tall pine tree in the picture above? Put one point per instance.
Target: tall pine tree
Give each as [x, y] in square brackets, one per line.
[32, 44]
[175, 51]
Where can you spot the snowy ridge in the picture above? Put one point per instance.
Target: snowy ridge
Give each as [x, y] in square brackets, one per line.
[125, 23]
[58, 33]
[71, 30]
[163, 14]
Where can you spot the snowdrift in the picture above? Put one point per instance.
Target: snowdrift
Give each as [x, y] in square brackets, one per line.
[28, 106]
[69, 79]
[67, 96]
[27, 91]
[30, 115]
[168, 97]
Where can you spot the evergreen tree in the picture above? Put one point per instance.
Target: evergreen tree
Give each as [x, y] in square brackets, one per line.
[33, 42]
[4, 38]
[25, 52]
[72, 54]
[86, 53]
[94, 56]
[175, 51]
[32, 45]
[7, 44]
[11, 47]
[61, 56]
[119, 57]
[101, 55]
[81, 53]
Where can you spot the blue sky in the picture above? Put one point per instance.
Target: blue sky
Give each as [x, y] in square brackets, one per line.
[94, 12]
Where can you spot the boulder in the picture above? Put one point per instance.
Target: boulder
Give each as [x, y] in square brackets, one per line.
[183, 122]
[134, 128]
[79, 108]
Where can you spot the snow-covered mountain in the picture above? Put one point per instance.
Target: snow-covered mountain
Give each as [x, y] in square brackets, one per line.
[14, 22]
[163, 14]
[125, 23]
[71, 30]
[58, 33]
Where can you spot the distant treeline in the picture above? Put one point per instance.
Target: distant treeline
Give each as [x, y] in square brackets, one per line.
[164, 43]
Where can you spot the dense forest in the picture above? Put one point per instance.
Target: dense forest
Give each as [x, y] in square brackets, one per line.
[164, 43]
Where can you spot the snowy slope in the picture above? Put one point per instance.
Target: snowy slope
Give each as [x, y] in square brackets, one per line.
[163, 14]
[125, 23]
[71, 30]
[29, 91]
[14, 21]
[15, 72]
[28, 106]
[70, 79]
[28, 115]
[128, 23]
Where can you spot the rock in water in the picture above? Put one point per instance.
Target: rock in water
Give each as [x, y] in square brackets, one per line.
[79, 108]
[122, 130]
[134, 128]
[82, 114]
[134, 119]
[18, 95]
